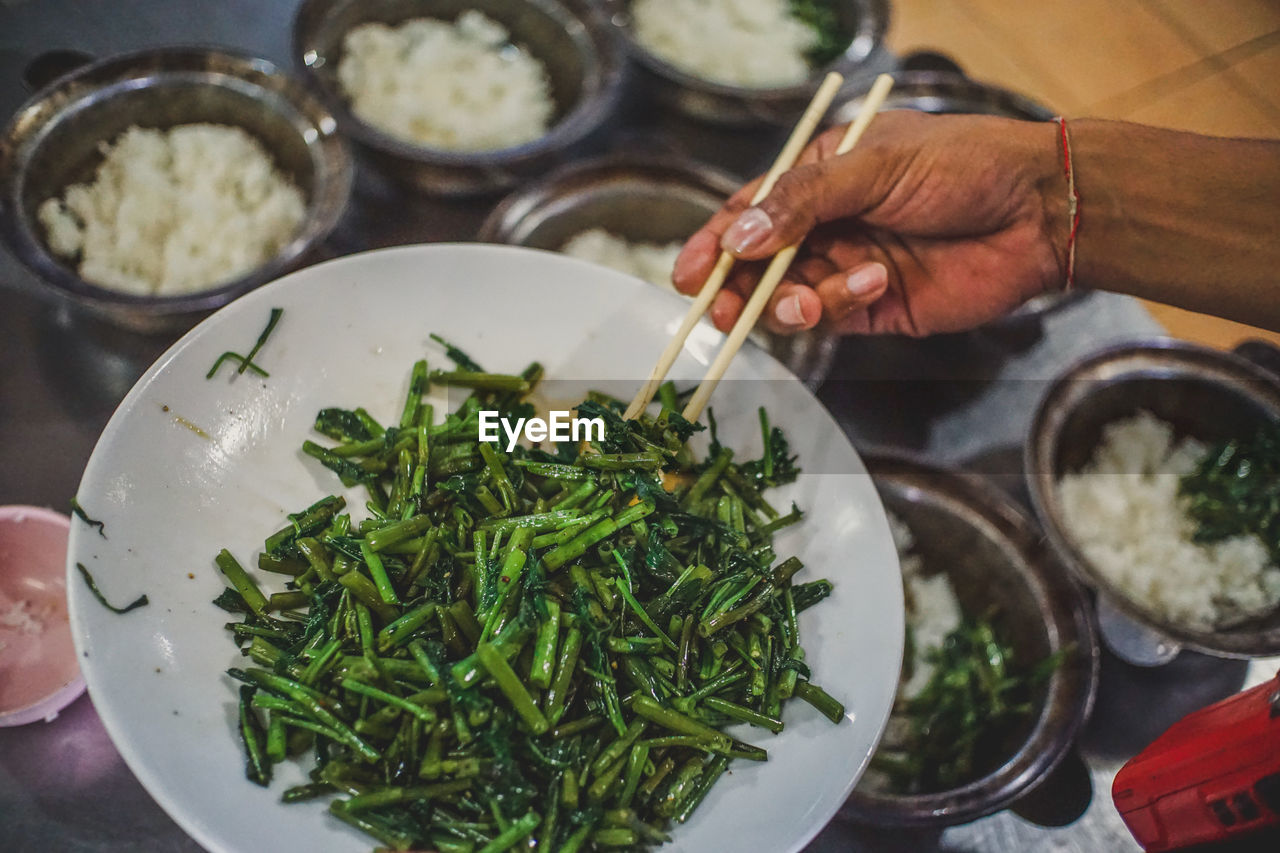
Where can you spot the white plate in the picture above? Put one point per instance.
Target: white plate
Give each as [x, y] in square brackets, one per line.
[350, 332]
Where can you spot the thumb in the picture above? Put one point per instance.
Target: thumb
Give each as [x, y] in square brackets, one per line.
[803, 198]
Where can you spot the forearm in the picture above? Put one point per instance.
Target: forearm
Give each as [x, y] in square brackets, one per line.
[1188, 220]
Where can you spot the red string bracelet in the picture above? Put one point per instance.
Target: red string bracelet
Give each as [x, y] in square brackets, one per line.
[1073, 203]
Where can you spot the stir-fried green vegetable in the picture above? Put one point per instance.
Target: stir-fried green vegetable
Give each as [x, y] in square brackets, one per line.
[140, 601]
[820, 15]
[1235, 490]
[246, 361]
[78, 512]
[527, 647]
[964, 715]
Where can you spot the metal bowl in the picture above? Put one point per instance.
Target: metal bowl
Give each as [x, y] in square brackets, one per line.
[54, 139]
[992, 554]
[1207, 394]
[865, 21]
[944, 92]
[950, 92]
[581, 56]
[643, 199]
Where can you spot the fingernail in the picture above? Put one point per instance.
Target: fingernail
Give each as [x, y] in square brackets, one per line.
[789, 312]
[867, 279]
[748, 231]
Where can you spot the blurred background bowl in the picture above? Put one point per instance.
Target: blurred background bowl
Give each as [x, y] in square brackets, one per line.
[943, 90]
[1207, 394]
[573, 42]
[641, 199]
[993, 554]
[864, 21]
[54, 140]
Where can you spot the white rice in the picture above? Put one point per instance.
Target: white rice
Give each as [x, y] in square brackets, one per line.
[932, 609]
[652, 262]
[174, 211]
[932, 612]
[460, 86]
[1124, 513]
[752, 43]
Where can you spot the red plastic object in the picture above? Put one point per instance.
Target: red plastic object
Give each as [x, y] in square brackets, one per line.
[1213, 777]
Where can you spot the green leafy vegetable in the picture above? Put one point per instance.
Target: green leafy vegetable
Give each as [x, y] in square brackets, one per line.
[964, 715]
[777, 466]
[519, 646]
[246, 361]
[342, 425]
[457, 356]
[1235, 490]
[140, 601]
[78, 512]
[821, 17]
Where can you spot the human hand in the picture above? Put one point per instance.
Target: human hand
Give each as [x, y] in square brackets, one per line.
[932, 224]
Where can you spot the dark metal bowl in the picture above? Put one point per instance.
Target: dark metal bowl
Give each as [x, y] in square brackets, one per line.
[54, 138]
[719, 103]
[643, 199]
[581, 56]
[651, 199]
[1203, 393]
[992, 554]
[944, 92]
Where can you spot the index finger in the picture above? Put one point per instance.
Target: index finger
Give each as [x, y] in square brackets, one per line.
[698, 257]
[729, 211]
[702, 249]
[820, 148]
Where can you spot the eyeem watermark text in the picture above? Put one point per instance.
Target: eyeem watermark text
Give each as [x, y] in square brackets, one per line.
[559, 426]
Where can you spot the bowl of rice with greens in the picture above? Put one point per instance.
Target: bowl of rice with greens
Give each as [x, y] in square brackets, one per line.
[153, 187]
[459, 98]
[1155, 469]
[746, 61]
[1000, 660]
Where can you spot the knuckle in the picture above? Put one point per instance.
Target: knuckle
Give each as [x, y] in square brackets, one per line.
[788, 203]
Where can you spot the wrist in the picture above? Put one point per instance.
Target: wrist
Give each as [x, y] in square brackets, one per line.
[1179, 218]
[1055, 193]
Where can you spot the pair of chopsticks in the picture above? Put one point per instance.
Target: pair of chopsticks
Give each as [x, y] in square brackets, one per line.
[777, 267]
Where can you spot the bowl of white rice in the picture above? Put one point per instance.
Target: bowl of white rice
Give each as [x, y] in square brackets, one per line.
[1111, 444]
[461, 97]
[151, 188]
[633, 213]
[968, 552]
[747, 61]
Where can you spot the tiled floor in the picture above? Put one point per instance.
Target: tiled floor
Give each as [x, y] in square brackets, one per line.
[1211, 66]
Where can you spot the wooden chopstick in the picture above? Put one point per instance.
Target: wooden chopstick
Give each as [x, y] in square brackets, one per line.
[778, 266]
[796, 143]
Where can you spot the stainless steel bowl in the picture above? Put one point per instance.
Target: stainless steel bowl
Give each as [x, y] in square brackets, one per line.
[1203, 393]
[993, 555]
[571, 39]
[643, 199]
[864, 21]
[943, 92]
[54, 139]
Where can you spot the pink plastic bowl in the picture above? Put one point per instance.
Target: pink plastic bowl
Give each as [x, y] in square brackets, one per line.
[39, 674]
